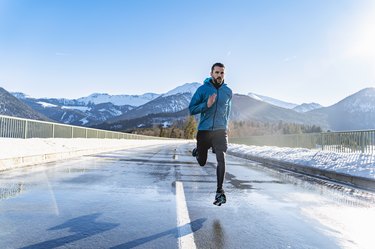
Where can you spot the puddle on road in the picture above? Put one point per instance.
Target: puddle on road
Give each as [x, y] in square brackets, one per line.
[10, 190]
[341, 193]
[247, 184]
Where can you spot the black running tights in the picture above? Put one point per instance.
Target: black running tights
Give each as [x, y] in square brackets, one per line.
[220, 169]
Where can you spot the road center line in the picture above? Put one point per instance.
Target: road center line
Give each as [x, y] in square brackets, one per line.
[185, 234]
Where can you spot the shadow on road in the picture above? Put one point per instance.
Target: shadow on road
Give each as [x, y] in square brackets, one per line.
[83, 227]
[176, 232]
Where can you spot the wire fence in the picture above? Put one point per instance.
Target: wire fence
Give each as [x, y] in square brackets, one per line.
[345, 141]
[12, 127]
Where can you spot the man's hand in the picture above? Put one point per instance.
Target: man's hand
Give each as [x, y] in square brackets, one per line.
[211, 100]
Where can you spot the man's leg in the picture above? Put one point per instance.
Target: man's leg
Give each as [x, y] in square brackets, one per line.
[220, 169]
[220, 197]
[220, 145]
[203, 144]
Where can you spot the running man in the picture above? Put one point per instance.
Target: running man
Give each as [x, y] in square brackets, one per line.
[212, 101]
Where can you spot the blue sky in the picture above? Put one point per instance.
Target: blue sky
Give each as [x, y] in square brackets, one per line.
[294, 50]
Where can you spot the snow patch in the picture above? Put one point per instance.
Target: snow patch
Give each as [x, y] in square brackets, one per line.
[45, 104]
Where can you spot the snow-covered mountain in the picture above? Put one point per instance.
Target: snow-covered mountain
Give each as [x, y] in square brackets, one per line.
[355, 112]
[75, 112]
[362, 101]
[245, 107]
[97, 108]
[305, 107]
[150, 120]
[174, 100]
[133, 100]
[20, 95]
[272, 101]
[11, 106]
[57, 101]
[185, 88]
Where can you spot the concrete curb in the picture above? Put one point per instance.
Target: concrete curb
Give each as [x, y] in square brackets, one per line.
[356, 181]
[23, 161]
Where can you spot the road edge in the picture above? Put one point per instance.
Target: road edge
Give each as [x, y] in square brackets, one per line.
[355, 181]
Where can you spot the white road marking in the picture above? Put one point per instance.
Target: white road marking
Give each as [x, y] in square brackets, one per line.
[185, 234]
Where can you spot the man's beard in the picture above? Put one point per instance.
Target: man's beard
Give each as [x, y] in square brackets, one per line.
[218, 81]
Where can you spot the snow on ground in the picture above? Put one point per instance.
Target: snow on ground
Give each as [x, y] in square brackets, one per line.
[349, 163]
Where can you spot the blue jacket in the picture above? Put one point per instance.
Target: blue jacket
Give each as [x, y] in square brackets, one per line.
[216, 117]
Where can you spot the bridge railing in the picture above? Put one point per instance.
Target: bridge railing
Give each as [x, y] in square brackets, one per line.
[345, 141]
[12, 127]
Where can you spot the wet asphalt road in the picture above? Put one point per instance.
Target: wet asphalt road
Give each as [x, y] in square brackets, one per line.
[128, 199]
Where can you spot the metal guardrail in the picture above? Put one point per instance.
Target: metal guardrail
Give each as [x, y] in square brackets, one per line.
[349, 141]
[12, 127]
[346, 141]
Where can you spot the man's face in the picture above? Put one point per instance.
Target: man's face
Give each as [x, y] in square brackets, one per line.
[218, 75]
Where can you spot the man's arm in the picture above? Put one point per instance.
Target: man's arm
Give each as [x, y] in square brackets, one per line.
[229, 106]
[229, 109]
[197, 105]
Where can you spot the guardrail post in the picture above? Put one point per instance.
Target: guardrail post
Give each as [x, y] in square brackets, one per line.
[26, 124]
[1, 126]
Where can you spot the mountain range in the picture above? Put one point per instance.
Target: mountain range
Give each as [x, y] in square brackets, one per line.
[121, 112]
[11, 106]
[355, 112]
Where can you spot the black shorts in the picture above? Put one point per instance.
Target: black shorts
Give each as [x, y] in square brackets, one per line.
[217, 139]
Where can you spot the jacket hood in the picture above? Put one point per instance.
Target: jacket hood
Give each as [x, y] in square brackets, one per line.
[208, 81]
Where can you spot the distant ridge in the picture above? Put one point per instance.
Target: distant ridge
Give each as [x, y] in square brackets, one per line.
[352, 113]
[355, 112]
[272, 101]
[11, 106]
[305, 107]
[133, 100]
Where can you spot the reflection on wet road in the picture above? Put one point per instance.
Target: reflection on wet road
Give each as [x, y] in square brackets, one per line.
[128, 199]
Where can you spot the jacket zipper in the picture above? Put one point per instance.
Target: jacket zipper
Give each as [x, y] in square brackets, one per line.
[217, 98]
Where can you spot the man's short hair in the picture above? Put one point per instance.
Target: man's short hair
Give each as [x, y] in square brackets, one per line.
[217, 64]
